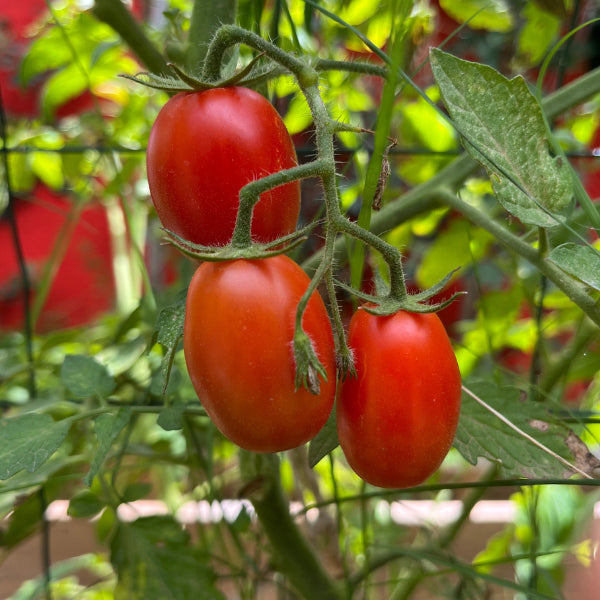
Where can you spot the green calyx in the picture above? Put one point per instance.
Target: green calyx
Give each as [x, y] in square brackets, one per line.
[232, 251]
[386, 304]
[251, 76]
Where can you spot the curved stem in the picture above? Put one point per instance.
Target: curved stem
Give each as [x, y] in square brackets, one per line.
[390, 254]
[230, 35]
[251, 192]
[363, 68]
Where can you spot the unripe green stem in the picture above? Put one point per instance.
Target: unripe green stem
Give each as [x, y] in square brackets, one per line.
[389, 253]
[229, 35]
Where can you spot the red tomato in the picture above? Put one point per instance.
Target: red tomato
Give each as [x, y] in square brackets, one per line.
[238, 333]
[203, 148]
[397, 418]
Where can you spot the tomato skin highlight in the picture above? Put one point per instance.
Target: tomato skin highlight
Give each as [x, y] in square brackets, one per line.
[238, 346]
[397, 418]
[203, 148]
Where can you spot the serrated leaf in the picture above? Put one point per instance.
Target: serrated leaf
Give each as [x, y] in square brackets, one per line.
[107, 428]
[154, 561]
[583, 262]
[169, 324]
[481, 434]
[28, 441]
[84, 377]
[502, 118]
[169, 331]
[324, 442]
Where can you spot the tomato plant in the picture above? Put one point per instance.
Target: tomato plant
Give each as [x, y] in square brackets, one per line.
[397, 418]
[205, 146]
[106, 417]
[238, 334]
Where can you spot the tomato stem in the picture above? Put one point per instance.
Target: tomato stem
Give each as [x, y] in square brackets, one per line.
[345, 361]
[250, 195]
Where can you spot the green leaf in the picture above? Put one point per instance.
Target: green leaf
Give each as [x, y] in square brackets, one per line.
[324, 442]
[28, 441]
[69, 570]
[136, 491]
[427, 126]
[84, 505]
[493, 15]
[169, 325]
[107, 428]
[85, 377]
[169, 331]
[356, 13]
[154, 561]
[171, 416]
[583, 262]
[481, 434]
[61, 87]
[504, 121]
[297, 117]
[46, 52]
[22, 179]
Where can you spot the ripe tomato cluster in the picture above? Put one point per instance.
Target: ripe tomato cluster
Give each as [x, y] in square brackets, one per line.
[240, 314]
[397, 416]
